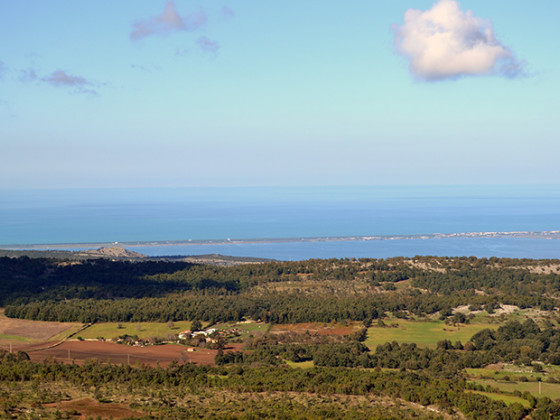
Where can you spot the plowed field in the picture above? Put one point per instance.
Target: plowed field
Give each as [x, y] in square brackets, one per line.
[18, 331]
[80, 351]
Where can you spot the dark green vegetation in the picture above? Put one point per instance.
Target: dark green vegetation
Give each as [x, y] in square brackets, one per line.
[347, 379]
[308, 291]
[180, 390]
[165, 388]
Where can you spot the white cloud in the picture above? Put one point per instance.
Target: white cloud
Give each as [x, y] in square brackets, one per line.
[169, 21]
[446, 42]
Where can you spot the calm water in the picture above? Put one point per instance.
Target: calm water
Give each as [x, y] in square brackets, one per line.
[124, 215]
[478, 247]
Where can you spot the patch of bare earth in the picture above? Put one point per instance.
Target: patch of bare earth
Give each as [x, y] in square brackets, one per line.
[545, 269]
[88, 408]
[464, 309]
[425, 266]
[315, 328]
[81, 351]
[34, 330]
[506, 309]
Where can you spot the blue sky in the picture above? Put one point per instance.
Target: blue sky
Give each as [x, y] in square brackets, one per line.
[253, 93]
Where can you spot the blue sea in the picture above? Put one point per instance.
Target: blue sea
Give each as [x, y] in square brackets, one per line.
[94, 216]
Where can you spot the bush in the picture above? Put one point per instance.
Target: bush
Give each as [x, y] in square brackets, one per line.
[537, 367]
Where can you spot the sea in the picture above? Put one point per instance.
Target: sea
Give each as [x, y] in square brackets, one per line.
[287, 223]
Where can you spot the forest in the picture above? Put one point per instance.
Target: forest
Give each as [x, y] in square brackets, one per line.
[278, 292]
[299, 374]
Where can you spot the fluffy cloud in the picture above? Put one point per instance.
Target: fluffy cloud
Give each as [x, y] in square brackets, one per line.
[60, 78]
[446, 42]
[169, 21]
[207, 45]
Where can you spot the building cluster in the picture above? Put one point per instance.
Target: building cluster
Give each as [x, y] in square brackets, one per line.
[210, 335]
[205, 334]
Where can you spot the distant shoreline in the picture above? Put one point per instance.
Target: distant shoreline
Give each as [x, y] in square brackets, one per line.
[554, 234]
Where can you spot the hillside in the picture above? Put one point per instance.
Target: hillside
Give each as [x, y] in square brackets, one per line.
[423, 337]
[123, 254]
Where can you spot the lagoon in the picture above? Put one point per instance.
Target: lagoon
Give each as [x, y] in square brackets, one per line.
[70, 216]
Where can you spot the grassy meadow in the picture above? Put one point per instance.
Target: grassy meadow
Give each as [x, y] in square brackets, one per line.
[143, 330]
[549, 390]
[423, 333]
[15, 338]
[510, 378]
[244, 329]
[301, 365]
[514, 373]
[508, 399]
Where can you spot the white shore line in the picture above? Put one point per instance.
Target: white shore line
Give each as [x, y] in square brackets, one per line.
[552, 234]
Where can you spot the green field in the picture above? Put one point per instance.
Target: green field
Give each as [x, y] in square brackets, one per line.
[423, 333]
[245, 329]
[551, 391]
[508, 399]
[513, 372]
[144, 330]
[301, 365]
[73, 329]
[4, 337]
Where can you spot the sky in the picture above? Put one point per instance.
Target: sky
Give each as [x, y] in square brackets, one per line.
[150, 93]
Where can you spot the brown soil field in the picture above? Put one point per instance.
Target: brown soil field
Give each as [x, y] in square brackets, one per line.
[80, 351]
[88, 408]
[31, 330]
[315, 328]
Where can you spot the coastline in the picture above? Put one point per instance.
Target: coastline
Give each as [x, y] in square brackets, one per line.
[549, 235]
